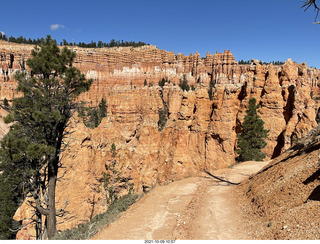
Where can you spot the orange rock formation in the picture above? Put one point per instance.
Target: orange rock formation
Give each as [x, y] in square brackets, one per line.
[200, 133]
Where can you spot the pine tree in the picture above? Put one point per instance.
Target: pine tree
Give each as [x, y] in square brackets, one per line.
[210, 90]
[184, 84]
[162, 82]
[252, 137]
[92, 116]
[112, 178]
[6, 103]
[41, 117]
[102, 109]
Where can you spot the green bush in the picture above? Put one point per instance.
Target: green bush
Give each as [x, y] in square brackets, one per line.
[163, 117]
[86, 230]
[92, 117]
[163, 81]
[210, 90]
[112, 179]
[184, 84]
[6, 103]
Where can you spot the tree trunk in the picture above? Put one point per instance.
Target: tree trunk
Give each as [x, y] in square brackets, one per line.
[38, 225]
[52, 180]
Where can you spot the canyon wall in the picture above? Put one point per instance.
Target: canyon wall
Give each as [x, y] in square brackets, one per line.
[128, 67]
[132, 66]
[200, 134]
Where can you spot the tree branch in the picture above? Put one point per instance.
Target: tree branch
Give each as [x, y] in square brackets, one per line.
[60, 212]
[308, 3]
[22, 226]
[38, 206]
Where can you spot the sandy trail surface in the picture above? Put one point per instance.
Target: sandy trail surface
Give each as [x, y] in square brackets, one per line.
[195, 208]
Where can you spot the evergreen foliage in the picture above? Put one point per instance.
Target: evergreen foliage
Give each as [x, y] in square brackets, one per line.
[163, 113]
[273, 62]
[163, 81]
[92, 116]
[22, 40]
[252, 137]
[41, 117]
[103, 108]
[88, 229]
[3, 37]
[244, 62]
[210, 90]
[10, 199]
[261, 62]
[184, 84]
[92, 44]
[163, 118]
[6, 104]
[112, 43]
[112, 177]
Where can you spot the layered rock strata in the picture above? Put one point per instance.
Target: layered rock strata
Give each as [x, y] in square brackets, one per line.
[200, 134]
[126, 66]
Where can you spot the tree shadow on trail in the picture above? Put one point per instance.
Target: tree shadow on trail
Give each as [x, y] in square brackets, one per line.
[220, 179]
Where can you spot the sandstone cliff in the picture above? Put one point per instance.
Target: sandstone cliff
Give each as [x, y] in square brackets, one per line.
[199, 134]
[126, 66]
[131, 66]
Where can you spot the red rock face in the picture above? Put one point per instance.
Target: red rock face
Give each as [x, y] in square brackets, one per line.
[199, 134]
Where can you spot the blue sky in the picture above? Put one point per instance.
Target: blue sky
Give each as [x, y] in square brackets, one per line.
[265, 30]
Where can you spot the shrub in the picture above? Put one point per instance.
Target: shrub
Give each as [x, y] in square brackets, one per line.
[112, 178]
[92, 117]
[184, 84]
[6, 103]
[210, 90]
[163, 117]
[162, 82]
[86, 230]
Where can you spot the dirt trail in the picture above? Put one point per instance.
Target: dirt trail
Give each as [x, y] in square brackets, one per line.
[196, 208]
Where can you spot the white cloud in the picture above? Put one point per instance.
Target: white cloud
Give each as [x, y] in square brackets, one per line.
[56, 26]
[2, 33]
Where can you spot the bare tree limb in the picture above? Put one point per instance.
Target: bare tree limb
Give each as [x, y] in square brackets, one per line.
[311, 3]
[38, 205]
[22, 226]
[60, 212]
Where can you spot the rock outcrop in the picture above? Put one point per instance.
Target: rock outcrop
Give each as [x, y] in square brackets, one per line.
[199, 134]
